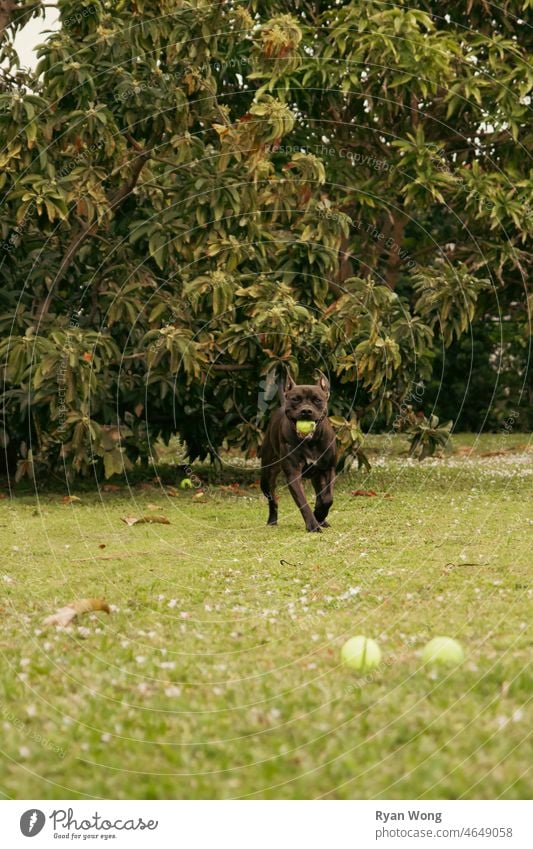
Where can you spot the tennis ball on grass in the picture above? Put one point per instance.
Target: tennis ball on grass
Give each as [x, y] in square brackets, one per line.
[361, 653]
[305, 427]
[443, 651]
[186, 483]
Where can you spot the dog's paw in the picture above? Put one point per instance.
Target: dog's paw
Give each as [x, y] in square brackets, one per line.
[317, 530]
[272, 523]
[325, 524]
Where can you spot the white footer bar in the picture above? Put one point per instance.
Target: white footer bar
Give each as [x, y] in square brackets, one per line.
[268, 825]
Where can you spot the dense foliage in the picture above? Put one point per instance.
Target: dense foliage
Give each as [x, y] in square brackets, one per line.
[195, 194]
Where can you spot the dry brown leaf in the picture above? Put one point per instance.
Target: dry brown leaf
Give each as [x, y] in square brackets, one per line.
[146, 520]
[172, 491]
[65, 615]
[494, 453]
[159, 520]
[111, 487]
[370, 493]
[70, 499]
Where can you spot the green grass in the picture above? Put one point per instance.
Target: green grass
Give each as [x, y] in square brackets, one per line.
[217, 673]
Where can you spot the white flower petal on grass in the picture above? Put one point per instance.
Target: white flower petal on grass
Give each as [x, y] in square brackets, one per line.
[173, 692]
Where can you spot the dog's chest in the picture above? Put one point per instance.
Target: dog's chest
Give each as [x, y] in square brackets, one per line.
[309, 456]
[310, 459]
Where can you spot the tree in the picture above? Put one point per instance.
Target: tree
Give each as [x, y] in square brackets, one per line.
[196, 195]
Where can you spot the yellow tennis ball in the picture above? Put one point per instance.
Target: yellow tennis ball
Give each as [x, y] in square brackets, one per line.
[361, 653]
[186, 483]
[443, 651]
[306, 427]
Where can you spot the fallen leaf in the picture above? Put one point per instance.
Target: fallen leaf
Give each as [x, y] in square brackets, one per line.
[111, 487]
[369, 493]
[65, 615]
[153, 507]
[146, 520]
[493, 453]
[70, 499]
[102, 545]
[121, 555]
[172, 491]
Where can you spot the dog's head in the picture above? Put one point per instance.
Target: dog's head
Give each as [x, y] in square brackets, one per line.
[307, 402]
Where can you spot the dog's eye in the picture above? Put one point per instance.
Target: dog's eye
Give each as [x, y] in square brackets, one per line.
[295, 399]
[316, 400]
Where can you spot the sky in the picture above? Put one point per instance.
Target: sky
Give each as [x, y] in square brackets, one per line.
[32, 35]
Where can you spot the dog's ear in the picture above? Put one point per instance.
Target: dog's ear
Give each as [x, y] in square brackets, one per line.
[323, 382]
[290, 383]
[285, 384]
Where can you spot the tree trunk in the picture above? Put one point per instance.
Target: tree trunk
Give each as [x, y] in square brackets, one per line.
[7, 7]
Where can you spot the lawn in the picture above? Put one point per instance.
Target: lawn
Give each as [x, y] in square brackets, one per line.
[217, 672]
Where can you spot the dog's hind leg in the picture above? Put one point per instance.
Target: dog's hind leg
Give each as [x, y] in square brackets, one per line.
[268, 488]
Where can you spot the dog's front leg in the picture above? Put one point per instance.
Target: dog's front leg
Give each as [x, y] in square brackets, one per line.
[296, 489]
[323, 486]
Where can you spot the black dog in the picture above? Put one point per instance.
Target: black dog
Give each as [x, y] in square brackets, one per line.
[311, 456]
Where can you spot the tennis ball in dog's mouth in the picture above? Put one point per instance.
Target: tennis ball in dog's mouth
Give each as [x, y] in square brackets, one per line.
[361, 653]
[186, 483]
[305, 427]
[443, 651]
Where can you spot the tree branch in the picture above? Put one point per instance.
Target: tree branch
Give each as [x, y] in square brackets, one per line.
[231, 367]
[90, 227]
